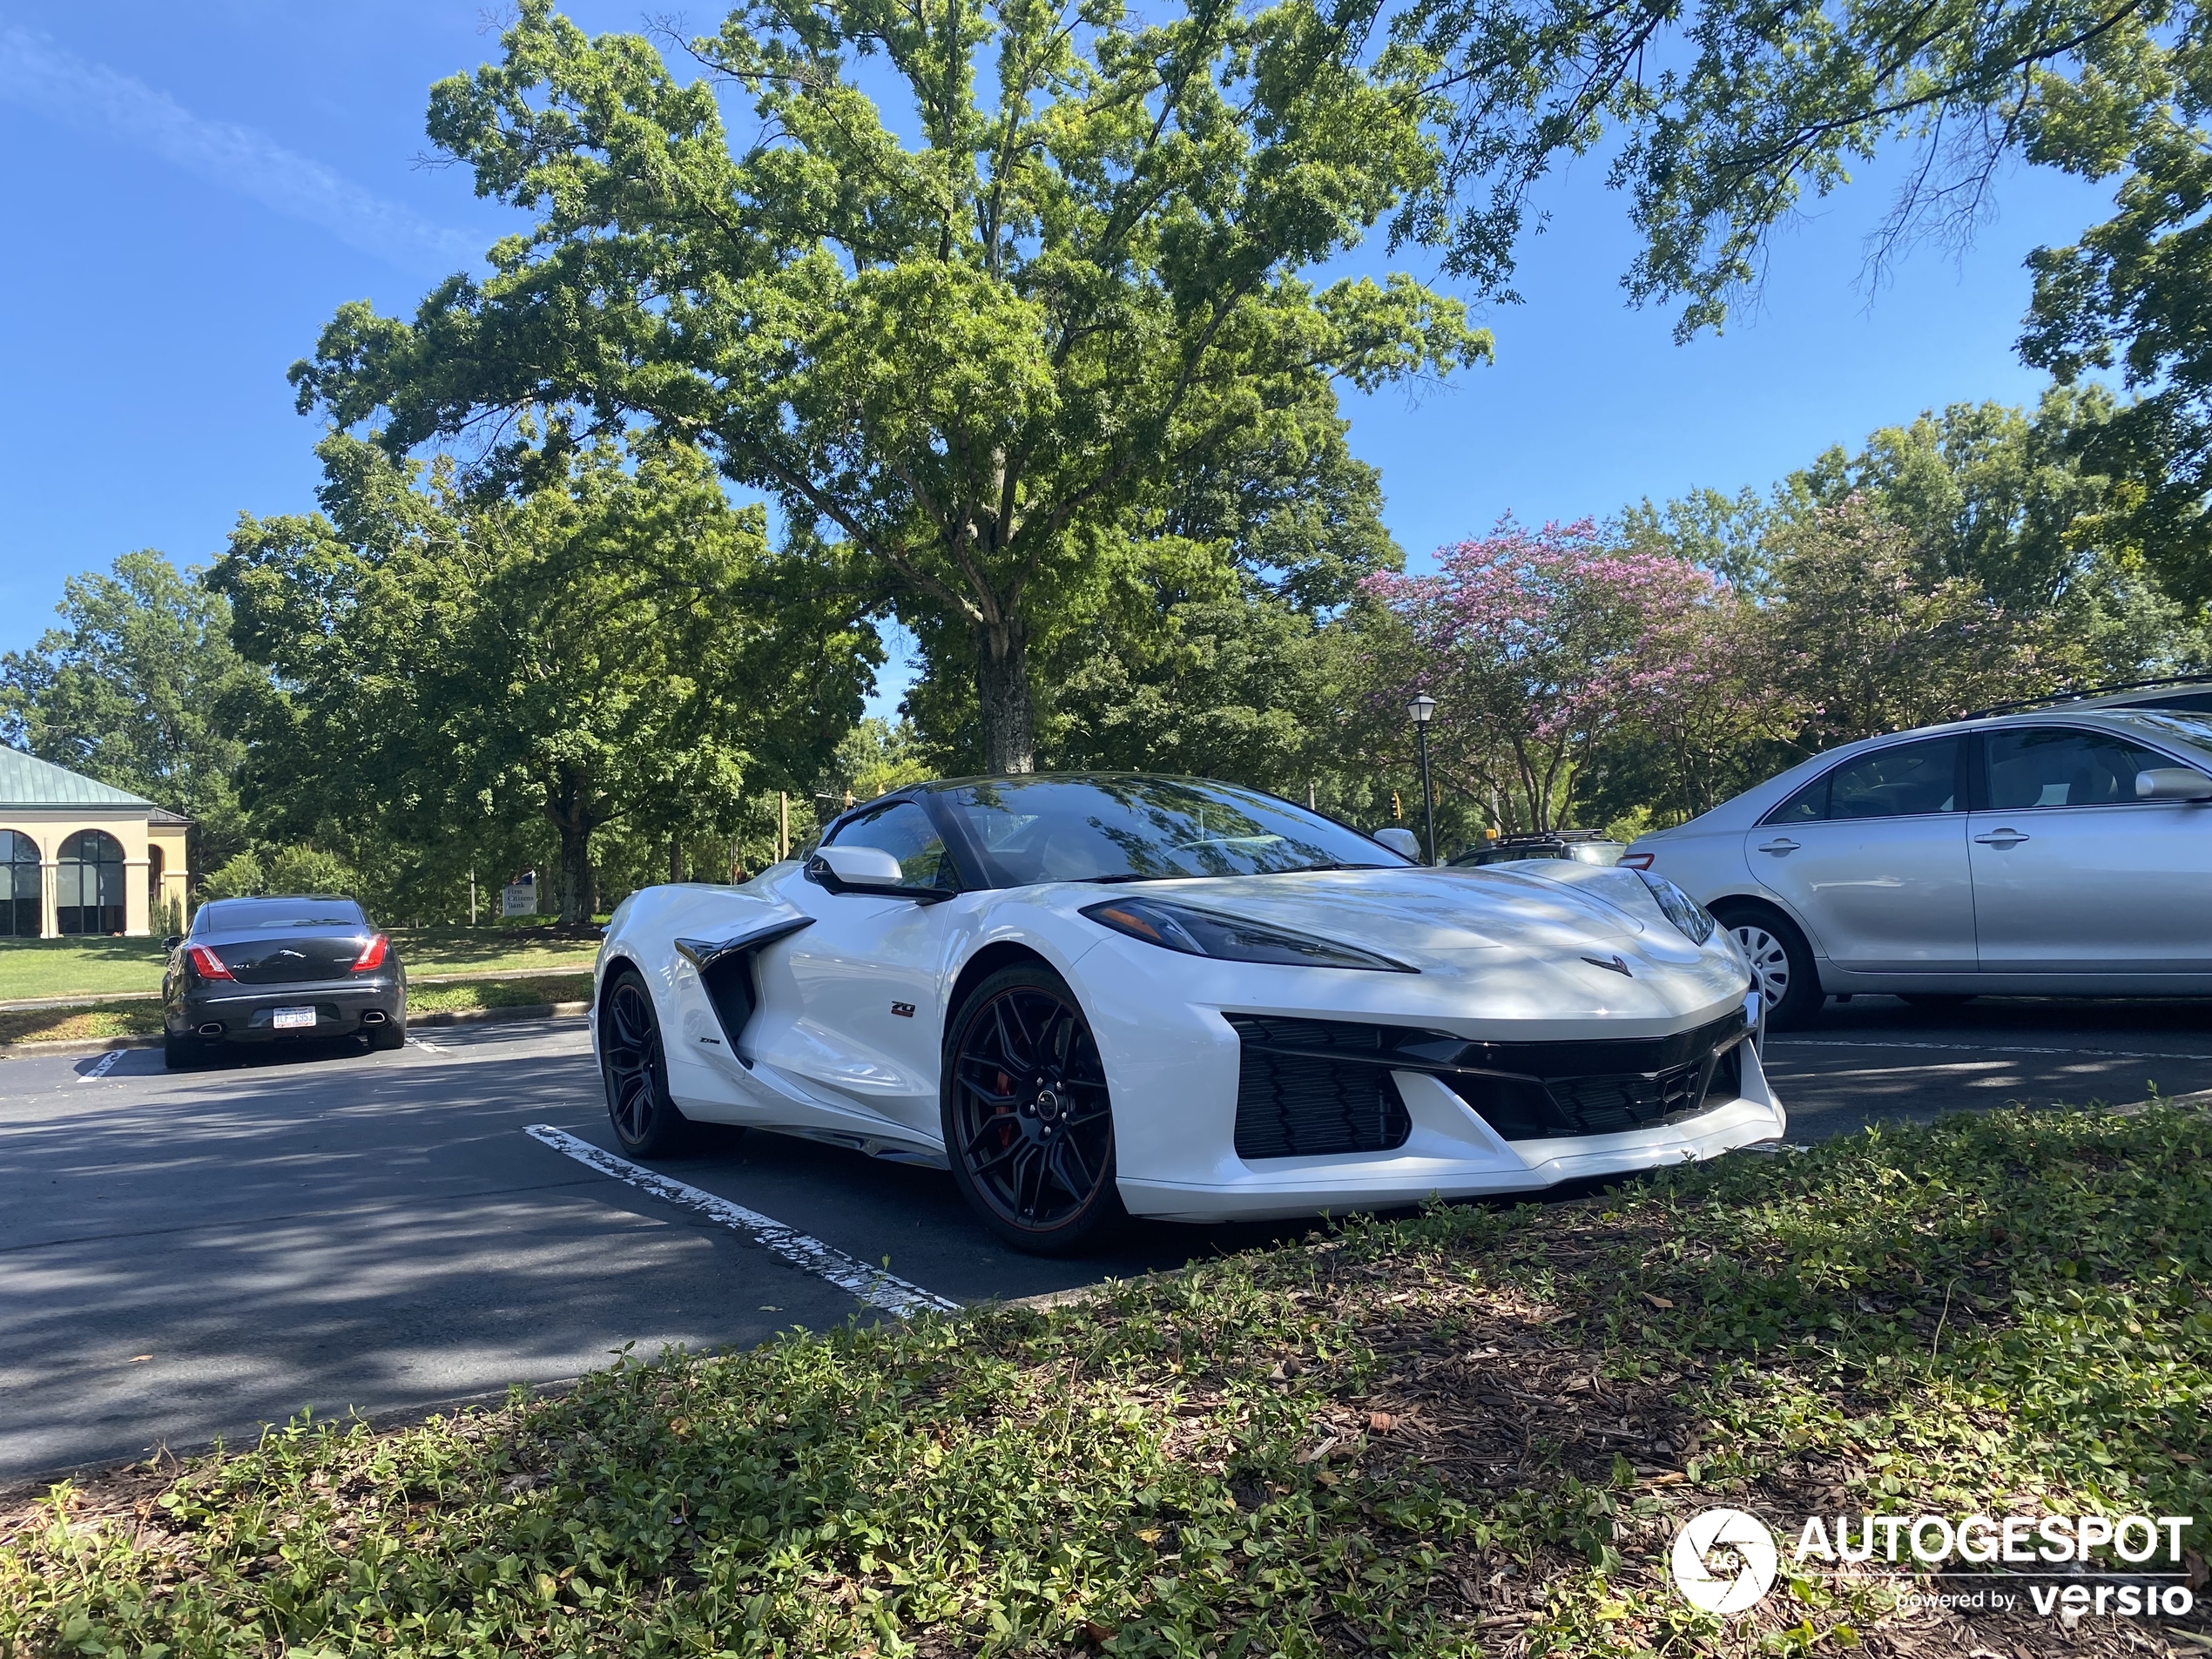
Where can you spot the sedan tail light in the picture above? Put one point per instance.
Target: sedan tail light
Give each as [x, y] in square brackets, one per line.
[207, 963]
[1637, 861]
[371, 955]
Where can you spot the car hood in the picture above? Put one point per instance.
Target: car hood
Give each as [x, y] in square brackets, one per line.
[1425, 915]
[1519, 954]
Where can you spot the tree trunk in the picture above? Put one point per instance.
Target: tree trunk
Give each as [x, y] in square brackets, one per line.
[1002, 697]
[576, 875]
[569, 813]
[675, 859]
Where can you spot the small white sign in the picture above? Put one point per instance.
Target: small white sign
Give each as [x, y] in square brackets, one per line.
[291, 1019]
[518, 899]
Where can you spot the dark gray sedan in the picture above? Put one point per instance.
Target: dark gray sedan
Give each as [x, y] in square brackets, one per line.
[267, 970]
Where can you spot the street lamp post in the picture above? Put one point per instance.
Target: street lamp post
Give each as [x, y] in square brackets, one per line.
[1423, 708]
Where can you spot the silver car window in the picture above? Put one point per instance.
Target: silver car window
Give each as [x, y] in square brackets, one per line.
[2063, 766]
[1904, 780]
[904, 831]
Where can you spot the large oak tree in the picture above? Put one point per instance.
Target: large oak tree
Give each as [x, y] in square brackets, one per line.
[957, 352]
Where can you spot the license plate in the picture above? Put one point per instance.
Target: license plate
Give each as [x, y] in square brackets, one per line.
[291, 1019]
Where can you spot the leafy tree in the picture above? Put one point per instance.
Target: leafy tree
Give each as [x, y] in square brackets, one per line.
[309, 869]
[963, 361]
[1214, 637]
[141, 689]
[2129, 294]
[1864, 642]
[1723, 116]
[1539, 646]
[2007, 499]
[618, 645]
[1723, 534]
[241, 876]
[876, 757]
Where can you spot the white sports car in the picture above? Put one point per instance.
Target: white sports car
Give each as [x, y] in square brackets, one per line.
[1093, 994]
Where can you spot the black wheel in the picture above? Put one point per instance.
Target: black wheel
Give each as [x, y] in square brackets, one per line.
[180, 1052]
[1028, 1126]
[391, 1034]
[645, 1119]
[1935, 999]
[1783, 971]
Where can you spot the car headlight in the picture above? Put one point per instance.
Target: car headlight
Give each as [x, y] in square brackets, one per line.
[1201, 932]
[1696, 922]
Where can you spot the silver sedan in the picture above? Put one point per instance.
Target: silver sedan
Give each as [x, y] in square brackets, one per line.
[2066, 850]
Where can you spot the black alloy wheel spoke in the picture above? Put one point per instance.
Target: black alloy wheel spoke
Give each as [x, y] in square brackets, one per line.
[1063, 1153]
[996, 1096]
[997, 1130]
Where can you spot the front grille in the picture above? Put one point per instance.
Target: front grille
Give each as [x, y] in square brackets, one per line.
[1312, 1087]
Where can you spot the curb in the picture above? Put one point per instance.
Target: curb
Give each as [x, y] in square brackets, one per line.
[446, 1016]
[479, 1016]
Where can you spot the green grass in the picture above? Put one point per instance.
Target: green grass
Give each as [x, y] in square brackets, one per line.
[1467, 1432]
[499, 993]
[34, 968]
[144, 1018]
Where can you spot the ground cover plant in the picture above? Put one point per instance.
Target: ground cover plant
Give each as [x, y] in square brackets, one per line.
[36, 967]
[81, 1021]
[1467, 1432]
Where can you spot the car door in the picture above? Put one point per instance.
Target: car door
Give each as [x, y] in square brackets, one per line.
[2073, 874]
[860, 988]
[1871, 857]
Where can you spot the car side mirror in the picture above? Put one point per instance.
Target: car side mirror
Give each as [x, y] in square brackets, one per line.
[2173, 783]
[866, 869]
[172, 941]
[1400, 841]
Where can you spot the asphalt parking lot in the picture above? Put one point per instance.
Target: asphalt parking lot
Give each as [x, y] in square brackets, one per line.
[188, 1257]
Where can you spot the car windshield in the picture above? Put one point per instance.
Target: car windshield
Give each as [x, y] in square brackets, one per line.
[1028, 830]
[230, 914]
[2193, 729]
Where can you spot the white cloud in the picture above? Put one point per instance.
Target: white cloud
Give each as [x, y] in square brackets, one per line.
[38, 75]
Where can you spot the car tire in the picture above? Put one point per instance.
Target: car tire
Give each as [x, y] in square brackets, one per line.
[386, 1037]
[1027, 1116]
[1783, 970]
[634, 1065]
[181, 1053]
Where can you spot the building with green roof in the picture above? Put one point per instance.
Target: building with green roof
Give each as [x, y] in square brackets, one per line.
[80, 857]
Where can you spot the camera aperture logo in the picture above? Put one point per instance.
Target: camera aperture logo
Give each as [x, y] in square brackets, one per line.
[1724, 1560]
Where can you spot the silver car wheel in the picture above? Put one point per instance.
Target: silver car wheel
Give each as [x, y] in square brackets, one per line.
[1770, 962]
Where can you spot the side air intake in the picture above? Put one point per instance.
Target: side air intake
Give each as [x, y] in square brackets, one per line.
[1313, 1088]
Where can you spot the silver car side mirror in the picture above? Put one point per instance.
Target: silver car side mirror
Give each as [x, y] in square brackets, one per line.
[2173, 783]
[1400, 841]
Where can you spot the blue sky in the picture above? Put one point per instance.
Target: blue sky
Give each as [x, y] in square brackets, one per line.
[197, 188]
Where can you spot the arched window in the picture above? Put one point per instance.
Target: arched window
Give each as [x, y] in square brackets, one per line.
[89, 885]
[18, 885]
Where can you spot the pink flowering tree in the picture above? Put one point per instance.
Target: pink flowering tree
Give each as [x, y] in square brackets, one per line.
[1538, 646]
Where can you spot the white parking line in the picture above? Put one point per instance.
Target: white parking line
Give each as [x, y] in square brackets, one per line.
[1975, 1047]
[872, 1285]
[101, 1066]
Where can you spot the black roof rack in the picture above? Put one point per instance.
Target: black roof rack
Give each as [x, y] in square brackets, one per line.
[2087, 692]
